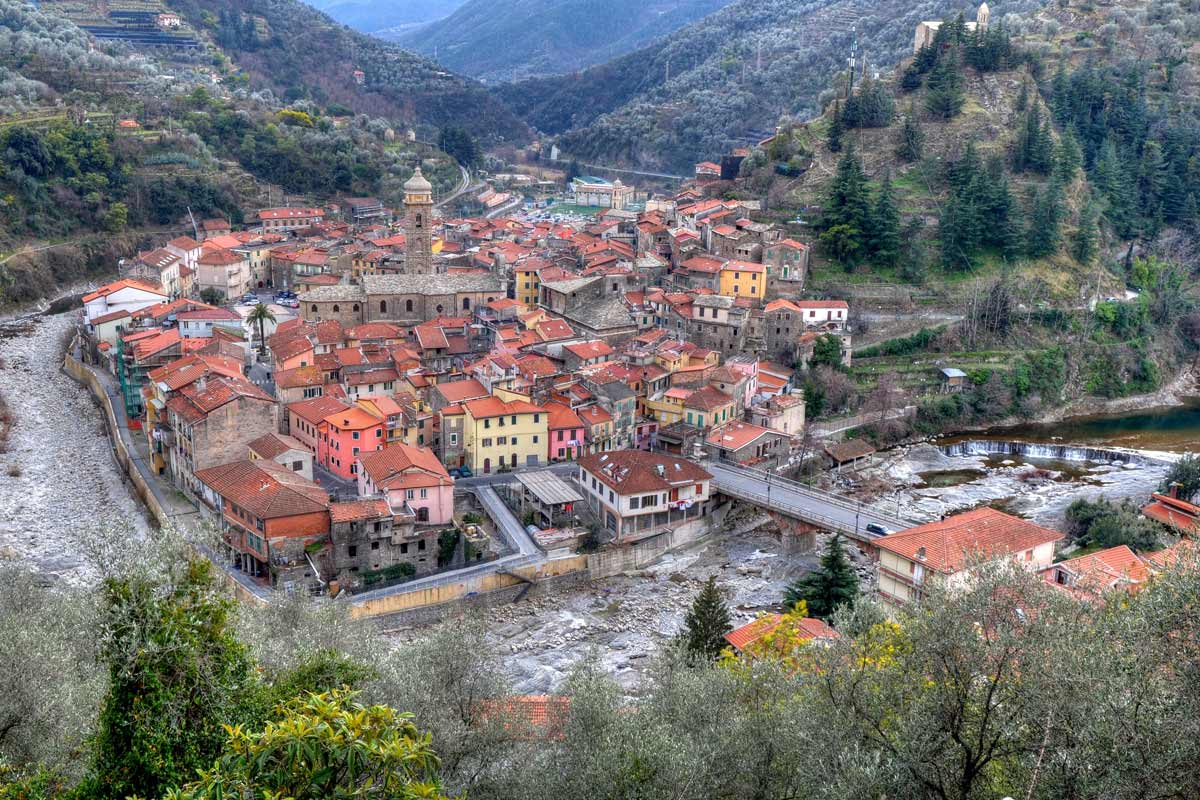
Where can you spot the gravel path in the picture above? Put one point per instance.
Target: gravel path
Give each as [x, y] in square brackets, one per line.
[60, 488]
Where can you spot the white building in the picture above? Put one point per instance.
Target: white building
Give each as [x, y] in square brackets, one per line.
[123, 295]
[637, 493]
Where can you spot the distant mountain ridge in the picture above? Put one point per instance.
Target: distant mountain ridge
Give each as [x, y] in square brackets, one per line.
[381, 16]
[504, 40]
[297, 51]
[723, 80]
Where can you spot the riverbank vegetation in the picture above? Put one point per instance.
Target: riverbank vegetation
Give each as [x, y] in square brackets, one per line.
[968, 695]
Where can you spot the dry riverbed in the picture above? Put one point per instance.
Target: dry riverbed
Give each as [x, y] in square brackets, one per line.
[61, 491]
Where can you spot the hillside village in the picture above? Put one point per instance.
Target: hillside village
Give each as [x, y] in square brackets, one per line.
[381, 444]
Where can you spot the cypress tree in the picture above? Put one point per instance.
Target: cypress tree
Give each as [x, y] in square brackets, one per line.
[1023, 97]
[707, 623]
[958, 230]
[1114, 185]
[910, 143]
[832, 585]
[1060, 96]
[944, 97]
[884, 236]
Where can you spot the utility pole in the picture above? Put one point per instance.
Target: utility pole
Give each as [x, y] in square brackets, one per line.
[852, 59]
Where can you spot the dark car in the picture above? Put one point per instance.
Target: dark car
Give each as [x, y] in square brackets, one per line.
[877, 529]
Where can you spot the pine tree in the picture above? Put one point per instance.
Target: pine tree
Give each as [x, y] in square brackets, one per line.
[944, 97]
[1152, 178]
[910, 145]
[837, 127]
[958, 230]
[884, 234]
[832, 585]
[913, 258]
[847, 212]
[1112, 180]
[707, 623]
[1060, 95]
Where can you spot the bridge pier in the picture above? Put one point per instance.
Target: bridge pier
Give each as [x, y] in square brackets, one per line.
[796, 536]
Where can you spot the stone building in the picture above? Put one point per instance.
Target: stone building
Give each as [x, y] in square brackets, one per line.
[401, 298]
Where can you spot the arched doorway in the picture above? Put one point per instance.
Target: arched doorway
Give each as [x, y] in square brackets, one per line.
[487, 466]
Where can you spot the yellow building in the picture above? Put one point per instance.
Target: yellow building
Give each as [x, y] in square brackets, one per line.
[528, 285]
[744, 279]
[709, 407]
[498, 433]
[667, 407]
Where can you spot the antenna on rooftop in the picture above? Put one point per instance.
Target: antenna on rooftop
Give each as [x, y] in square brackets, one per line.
[853, 57]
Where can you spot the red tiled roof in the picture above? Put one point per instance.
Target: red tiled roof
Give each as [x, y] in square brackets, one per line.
[299, 377]
[123, 283]
[458, 391]
[404, 466]
[273, 445]
[949, 544]
[707, 399]
[633, 471]
[353, 510]
[316, 409]
[265, 489]
[748, 634]
[495, 407]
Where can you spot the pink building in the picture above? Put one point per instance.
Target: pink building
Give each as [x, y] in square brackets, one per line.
[305, 416]
[565, 429]
[345, 435]
[408, 476]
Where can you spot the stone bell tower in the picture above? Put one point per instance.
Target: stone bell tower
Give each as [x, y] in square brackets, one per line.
[982, 17]
[418, 225]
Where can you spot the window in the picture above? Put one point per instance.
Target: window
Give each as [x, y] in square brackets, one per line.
[454, 438]
[408, 306]
[374, 545]
[421, 545]
[356, 306]
[535, 439]
[611, 496]
[536, 419]
[487, 423]
[352, 550]
[383, 306]
[410, 494]
[502, 440]
[424, 494]
[514, 419]
[336, 309]
[379, 433]
[297, 466]
[512, 440]
[314, 308]
[466, 303]
[561, 435]
[486, 443]
[354, 435]
[635, 502]
[403, 549]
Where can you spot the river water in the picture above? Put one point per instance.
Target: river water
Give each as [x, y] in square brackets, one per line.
[1169, 430]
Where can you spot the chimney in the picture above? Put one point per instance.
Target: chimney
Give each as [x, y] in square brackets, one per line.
[201, 383]
[920, 554]
[662, 471]
[1173, 490]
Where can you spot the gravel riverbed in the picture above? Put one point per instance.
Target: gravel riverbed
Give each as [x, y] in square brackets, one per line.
[60, 488]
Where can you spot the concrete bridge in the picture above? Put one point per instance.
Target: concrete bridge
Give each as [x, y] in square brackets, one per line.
[825, 510]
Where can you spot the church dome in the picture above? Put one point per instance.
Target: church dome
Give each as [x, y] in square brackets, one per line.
[417, 183]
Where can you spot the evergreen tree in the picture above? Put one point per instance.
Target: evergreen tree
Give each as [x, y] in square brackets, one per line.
[870, 107]
[707, 623]
[1152, 177]
[177, 674]
[1034, 148]
[944, 96]
[1060, 95]
[913, 258]
[884, 234]
[833, 585]
[847, 211]
[910, 143]
[1023, 97]
[1084, 242]
[1112, 180]
[1042, 236]
[837, 128]
[1068, 158]
[958, 231]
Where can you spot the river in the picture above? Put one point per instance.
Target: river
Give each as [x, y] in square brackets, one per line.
[1167, 430]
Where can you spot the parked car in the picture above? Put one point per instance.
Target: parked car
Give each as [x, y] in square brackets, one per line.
[877, 529]
[291, 303]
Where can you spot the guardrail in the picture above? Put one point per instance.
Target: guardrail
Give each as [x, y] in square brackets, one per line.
[808, 515]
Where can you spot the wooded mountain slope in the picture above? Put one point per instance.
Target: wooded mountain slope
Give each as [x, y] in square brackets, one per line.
[514, 39]
[722, 80]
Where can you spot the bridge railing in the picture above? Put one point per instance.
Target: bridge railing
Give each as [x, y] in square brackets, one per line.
[800, 512]
[808, 491]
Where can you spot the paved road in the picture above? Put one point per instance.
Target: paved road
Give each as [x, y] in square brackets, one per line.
[464, 185]
[793, 499]
[506, 522]
[562, 469]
